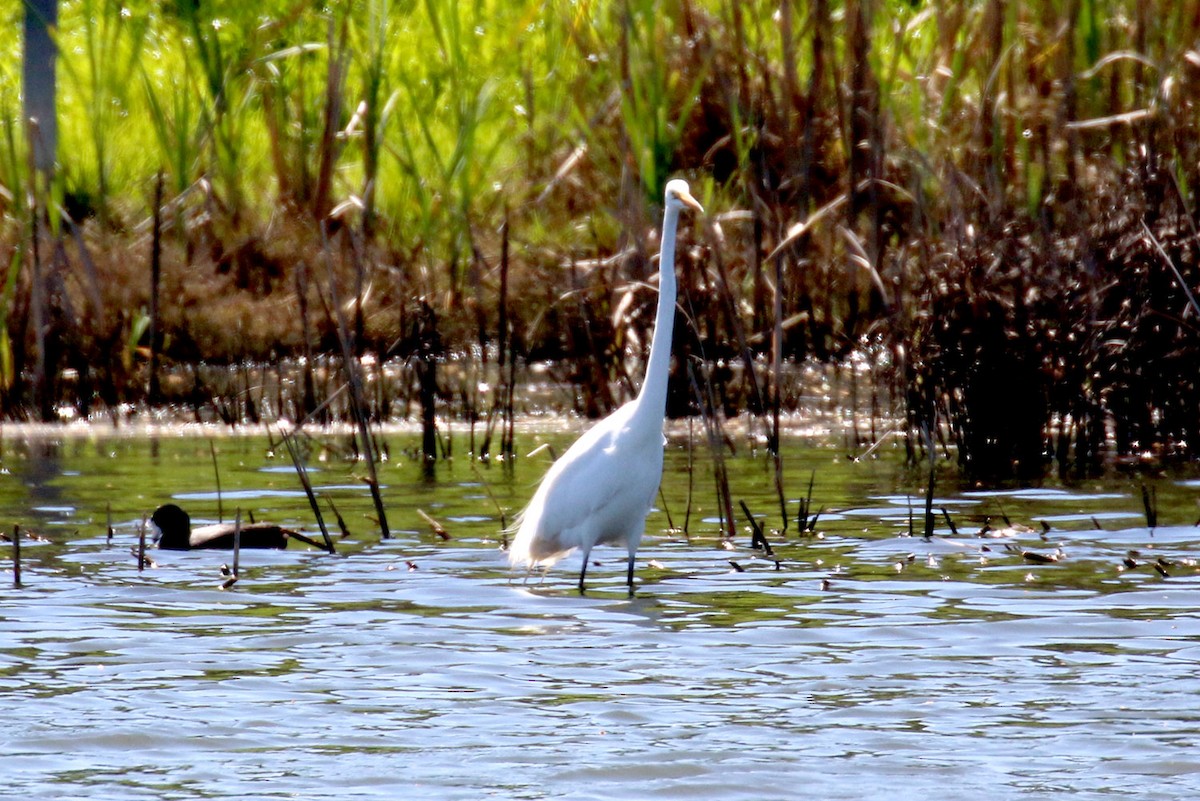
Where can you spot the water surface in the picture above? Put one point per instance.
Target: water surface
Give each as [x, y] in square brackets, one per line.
[858, 662]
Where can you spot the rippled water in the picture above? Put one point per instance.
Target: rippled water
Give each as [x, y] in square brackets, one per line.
[865, 664]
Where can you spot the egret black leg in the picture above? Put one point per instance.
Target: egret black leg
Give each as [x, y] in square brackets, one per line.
[629, 575]
[583, 570]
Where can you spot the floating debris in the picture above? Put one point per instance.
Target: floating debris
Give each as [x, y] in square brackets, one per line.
[1034, 557]
[144, 560]
[31, 536]
[437, 527]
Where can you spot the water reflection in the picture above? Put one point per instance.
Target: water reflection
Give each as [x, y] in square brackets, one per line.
[420, 667]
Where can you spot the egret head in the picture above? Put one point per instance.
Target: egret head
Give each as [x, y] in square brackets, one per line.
[678, 194]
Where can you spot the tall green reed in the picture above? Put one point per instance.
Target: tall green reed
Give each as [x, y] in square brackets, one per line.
[111, 36]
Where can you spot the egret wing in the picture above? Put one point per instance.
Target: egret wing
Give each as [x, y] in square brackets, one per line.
[583, 481]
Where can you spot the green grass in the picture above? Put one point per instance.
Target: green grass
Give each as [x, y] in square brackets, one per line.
[473, 106]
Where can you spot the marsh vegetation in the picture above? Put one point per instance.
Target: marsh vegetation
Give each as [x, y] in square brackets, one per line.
[994, 203]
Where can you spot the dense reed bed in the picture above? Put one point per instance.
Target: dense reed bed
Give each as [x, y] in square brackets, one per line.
[995, 200]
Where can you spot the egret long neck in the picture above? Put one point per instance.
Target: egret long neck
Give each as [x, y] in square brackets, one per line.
[652, 400]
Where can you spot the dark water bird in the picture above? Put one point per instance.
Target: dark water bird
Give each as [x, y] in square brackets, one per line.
[175, 532]
[601, 489]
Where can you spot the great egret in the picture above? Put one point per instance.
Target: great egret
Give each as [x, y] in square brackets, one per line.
[176, 532]
[601, 489]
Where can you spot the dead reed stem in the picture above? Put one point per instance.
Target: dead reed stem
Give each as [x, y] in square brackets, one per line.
[154, 396]
[309, 398]
[16, 540]
[802, 518]
[662, 501]
[929, 518]
[715, 445]
[212, 450]
[302, 473]
[357, 400]
[237, 541]
[341, 522]
[141, 551]
[691, 480]
[41, 391]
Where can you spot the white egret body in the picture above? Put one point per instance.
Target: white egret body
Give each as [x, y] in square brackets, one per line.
[601, 489]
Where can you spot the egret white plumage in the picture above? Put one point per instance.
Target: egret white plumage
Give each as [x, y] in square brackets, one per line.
[600, 491]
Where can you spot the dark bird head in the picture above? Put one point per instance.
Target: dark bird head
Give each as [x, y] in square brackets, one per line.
[174, 527]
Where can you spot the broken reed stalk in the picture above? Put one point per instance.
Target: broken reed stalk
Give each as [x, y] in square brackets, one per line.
[427, 392]
[733, 319]
[1171, 264]
[929, 520]
[662, 499]
[720, 475]
[142, 545]
[212, 449]
[777, 372]
[434, 526]
[308, 490]
[108, 523]
[1150, 506]
[237, 541]
[691, 474]
[783, 515]
[1003, 514]
[502, 303]
[155, 390]
[39, 301]
[308, 401]
[758, 540]
[357, 400]
[502, 402]
[507, 446]
[16, 557]
[812, 523]
[329, 145]
[487, 488]
[802, 518]
[341, 522]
